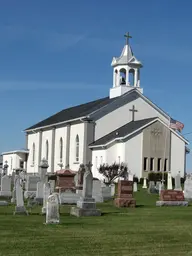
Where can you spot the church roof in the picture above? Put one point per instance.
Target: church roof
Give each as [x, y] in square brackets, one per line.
[122, 131]
[72, 113]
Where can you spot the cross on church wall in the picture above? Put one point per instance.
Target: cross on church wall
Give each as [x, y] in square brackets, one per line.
[133, 110]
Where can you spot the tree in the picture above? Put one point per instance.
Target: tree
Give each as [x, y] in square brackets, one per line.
[112, 172]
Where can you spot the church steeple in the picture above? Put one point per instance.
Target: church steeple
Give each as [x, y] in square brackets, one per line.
[126, 71]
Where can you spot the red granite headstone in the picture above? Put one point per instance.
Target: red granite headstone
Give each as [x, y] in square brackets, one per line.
[125, 194]
[172, 195]
[65, 180]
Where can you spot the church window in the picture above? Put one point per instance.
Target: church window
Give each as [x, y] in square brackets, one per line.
[165, 165]
[122, 76]
[101, 158]
[77, 148]
[96, 161]
[33, 154]
[61, 150]
[145, 163]
[131, 76]
[159, 164]
[47, 150]
[151, 164]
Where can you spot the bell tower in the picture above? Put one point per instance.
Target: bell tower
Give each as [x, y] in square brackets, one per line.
[126, 71]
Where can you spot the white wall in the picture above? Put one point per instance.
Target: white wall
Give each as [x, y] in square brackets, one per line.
[98, 157]
[76, 129]
[33, 138]
[47, 136]
[60, 133]
[133, 154]
[13, 161]
[122, 116]
[177, 156]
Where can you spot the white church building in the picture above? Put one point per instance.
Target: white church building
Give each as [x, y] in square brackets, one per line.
[125, 126]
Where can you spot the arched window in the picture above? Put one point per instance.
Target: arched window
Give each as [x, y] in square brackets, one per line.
[33, 154]
[61, 150]
[77, 148]
[131, 77]
[122, 76]
[47, 150]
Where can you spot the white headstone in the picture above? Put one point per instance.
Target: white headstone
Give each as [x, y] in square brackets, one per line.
[169, 181]
[52, 210]
[20, 208]
[87, 184]
[46, 194]
[130, 177]
[144, 182]
[135, 187]
[5, 186]
[188, 187]
[178, 182]
[97, 191]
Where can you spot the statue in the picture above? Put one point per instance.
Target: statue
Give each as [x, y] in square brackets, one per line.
[79, 177]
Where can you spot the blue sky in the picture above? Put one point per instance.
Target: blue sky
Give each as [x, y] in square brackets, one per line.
[56, 54]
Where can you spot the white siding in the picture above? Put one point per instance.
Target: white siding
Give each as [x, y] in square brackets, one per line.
[177, 156]
[33, 138]
[60, 133]
[98, 157]
[13, 161]
[122, 115]
[133, 154]
[47, 136]
[76, 129]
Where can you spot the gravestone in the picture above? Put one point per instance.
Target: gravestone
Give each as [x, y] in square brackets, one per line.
[188, 188]
[152, 188]
[5, 186]
[158, 185]
[130, 177]
[172, 198]
[19, 208]
[52, 210]
[112, 187]
[39, 192]
[169, 181]
[135, 187]
[97, 191]
[52, 185]
[178, 182]
[86, 206]
[144, 182]
[31, 186]
[68, 197]
[106, 192]
[43, 170]
[125, 194]
[46, 194]
[13, 199]
[79, 177]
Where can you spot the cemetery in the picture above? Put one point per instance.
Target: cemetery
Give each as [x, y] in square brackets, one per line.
[40, 215]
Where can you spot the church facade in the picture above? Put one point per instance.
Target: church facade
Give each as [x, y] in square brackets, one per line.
[124, 127]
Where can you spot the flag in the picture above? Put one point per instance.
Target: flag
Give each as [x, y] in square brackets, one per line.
[176, 125]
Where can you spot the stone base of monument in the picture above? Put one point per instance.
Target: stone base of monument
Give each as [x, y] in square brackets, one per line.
[172, 203]
[4, 203]
[20, 210]
[124, 202]
[5, 194]
[85, 207]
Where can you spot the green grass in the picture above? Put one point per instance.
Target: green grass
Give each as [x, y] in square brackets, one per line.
[145, 230]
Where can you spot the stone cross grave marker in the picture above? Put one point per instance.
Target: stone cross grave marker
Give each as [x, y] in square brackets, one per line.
[20, 208]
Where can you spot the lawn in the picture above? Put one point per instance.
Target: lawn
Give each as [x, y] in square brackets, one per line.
[145, 230]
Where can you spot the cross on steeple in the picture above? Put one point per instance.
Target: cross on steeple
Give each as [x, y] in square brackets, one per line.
[133, 110]
[127, 36]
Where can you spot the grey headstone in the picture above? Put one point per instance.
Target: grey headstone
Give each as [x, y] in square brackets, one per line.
[178, 182]
[5, 186]
[97, 191]
[68, 197]
[52, 210]
[188, 188]
[46, 194]
[31, 184]
[20, 208]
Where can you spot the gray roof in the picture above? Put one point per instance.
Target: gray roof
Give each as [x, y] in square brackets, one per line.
[122, 131]
[73, 112]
